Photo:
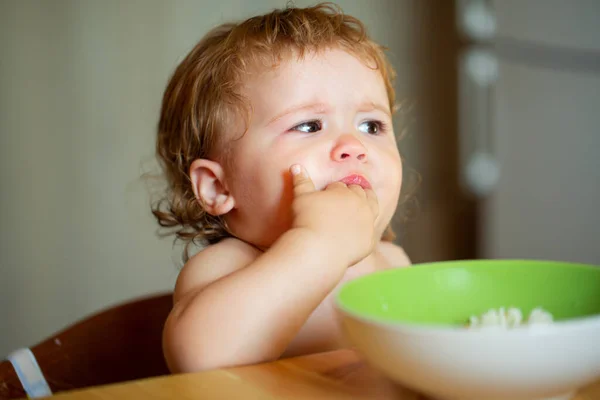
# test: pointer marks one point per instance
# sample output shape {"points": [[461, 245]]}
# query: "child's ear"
{"points": [[208, 183]]}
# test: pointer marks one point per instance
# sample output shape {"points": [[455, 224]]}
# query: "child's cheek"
{"points": [[318, 174], [312, 157]]}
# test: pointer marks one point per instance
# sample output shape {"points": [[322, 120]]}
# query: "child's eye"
{"points": [[308, 126], [372, 127]]}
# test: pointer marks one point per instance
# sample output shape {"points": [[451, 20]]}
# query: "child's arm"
{"points": [[251, 310]]}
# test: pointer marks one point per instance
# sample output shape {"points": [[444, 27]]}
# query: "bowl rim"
{"points": [[555, 328]]}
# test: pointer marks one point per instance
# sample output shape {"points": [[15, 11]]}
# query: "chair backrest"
{"points": [[118, 344]]}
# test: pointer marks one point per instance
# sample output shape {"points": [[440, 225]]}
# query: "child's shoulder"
{"points": [[212, 263], [393, 254]]}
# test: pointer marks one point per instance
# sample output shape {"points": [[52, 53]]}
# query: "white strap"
{"points": [[29, 373]]}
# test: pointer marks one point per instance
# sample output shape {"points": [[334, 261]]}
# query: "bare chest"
{"points": [[322, 332]]}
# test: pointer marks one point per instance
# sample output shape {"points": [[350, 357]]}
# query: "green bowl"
{"points": [[447, 293], [410, 323]]}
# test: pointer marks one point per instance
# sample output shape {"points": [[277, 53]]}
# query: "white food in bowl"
{"points": [[509, 318]]}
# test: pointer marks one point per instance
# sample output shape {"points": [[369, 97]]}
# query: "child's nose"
{"points": [[347, 148]]}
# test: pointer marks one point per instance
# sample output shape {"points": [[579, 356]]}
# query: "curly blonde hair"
{"points": [[204, 93]]}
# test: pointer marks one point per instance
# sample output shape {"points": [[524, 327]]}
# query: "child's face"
{"points": [[328, 112]]}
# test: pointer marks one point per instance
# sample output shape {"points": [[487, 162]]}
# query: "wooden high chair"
{"points": [[117, 344]]}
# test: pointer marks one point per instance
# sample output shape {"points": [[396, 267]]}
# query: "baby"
{"points": [[276, 139]]}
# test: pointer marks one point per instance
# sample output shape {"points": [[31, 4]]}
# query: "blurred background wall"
{"points": [[544, 130], [80, 90]]}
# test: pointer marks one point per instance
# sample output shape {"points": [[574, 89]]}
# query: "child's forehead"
{"points": [[330, 79]]}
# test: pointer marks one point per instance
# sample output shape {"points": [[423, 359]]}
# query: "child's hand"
{"points": [[343, 217]]}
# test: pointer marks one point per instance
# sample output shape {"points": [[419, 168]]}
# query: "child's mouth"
{"points": [[356, 179]]}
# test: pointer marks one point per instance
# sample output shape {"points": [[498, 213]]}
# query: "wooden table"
{"points": [[335, 375]]}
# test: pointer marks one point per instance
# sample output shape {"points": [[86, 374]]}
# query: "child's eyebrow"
{"points": [[321, 107], [370, 106]]}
